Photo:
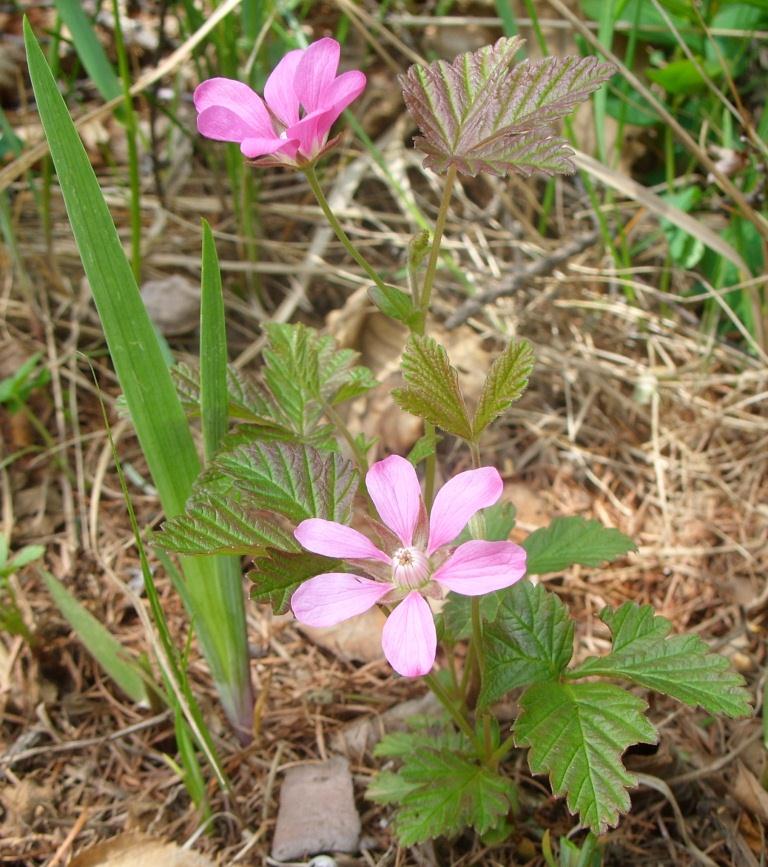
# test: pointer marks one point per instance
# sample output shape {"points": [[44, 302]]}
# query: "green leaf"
{"points": [[530, 640], [683, 76], [571, 540], [295, 480], [21, 558], [395, 303], [89, 48], [278, 574], [680, 666], [304, 371], [456, 616], [225, 523], [246, 401], [432, 391], [101, 644], [506, 381], [213, 348], [441, 792], [483, 112], [577, 733]]}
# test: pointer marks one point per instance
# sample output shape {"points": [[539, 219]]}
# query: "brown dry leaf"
{"points": [[531, 508], [750, 794], [22, 802], [138, 850]]}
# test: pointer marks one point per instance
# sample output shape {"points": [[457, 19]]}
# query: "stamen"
{"points": [[410, 568]]}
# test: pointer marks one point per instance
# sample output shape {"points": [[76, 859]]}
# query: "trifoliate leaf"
{"points": [[279, 573], [293, 480], [225, 523], [506, 381], [529, 640], [441, 793], [483, 112], [432, 391], [680, 666], [577, 733], [574, 540], [303, 373]]}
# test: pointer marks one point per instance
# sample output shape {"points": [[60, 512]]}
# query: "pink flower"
{"points": [[303, 96], [413, 568]]}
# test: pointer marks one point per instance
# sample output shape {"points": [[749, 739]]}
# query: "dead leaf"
{"points": [[750, 794], [138, 850]]}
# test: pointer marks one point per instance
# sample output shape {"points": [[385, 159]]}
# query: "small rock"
{"points": [[317, 811], [173, 303]]}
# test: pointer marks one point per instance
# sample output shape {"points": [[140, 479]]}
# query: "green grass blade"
{"points": [[157, 415], [89, 48], [213, 348], [100, 643]]}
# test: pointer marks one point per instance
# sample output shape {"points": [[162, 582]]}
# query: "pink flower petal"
{"points": [[337, 540], [311, 132], [479, 567], [458, 500], [316, 72], [258, 147], [279, 93], [327, 599], [240, 101], [395, 491], [409, 638], [344, 90]]}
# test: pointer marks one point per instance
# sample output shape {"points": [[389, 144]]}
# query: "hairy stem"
{"points": [[450, 705], [434, 253], [314, 184]]}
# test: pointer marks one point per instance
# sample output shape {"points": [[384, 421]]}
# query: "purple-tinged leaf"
{"points": [[481, 112]]}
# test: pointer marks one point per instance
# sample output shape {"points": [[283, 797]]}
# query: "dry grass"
{"points": [[635, 416]]}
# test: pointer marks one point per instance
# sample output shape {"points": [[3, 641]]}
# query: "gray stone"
{"points": [[317, 811]]}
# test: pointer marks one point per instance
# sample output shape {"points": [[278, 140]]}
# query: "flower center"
{"points": [[410, 568]]}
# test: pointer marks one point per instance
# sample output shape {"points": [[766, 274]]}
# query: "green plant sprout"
{"points": [[11, 617]]}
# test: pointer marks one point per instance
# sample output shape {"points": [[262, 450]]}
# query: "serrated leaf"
{"points": [[456, 616], [279, 573], [294, 480], [225, 523], [680, 666], [389, 788], [246, 400], [530, 640], [432, 391], [304, 371], [472, 109], [577, 733], [441, 793], [506, 381], [571, 540]]}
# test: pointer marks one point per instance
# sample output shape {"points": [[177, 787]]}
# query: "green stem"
{"points": [[361, 459], [434, 253], [497, 755], [131, 134], [430, 466], [450, 705], [314, 184]]}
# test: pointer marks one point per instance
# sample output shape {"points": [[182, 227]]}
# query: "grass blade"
{"points": [[155, 409], [89, 48], [100, 643]]}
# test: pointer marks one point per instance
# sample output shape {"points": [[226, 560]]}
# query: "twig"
{"points": [[540, 268]]}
